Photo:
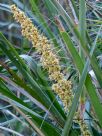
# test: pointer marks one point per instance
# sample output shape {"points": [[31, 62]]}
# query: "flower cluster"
{"points": [[63, 88], [83, 126], [49, 59]]}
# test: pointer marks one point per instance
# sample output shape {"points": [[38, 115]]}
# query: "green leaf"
{"points": [[36, 118], [88, 83], [14, 57], [47, 128], [22, 91], [73, 108], [82, 24], [51, 35], [76, 33], [34, 67], [38, 13], [6, 92]]}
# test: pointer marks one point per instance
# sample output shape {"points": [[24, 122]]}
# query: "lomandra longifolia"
{"points": [[49, 59], [50, 62]]}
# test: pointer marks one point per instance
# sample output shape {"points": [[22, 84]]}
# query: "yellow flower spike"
{"points": [[49, 59], [83, 126]]}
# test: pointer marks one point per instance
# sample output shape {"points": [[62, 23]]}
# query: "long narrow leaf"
{"points": [[76, 33], [88, 83], [12, 54], [75, 102], [82, 24]]}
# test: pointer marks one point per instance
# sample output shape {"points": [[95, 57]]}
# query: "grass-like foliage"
{"points": [[50, 68]]}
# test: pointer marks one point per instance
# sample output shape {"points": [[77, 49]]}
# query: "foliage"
{"points": [[28, 104]]}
